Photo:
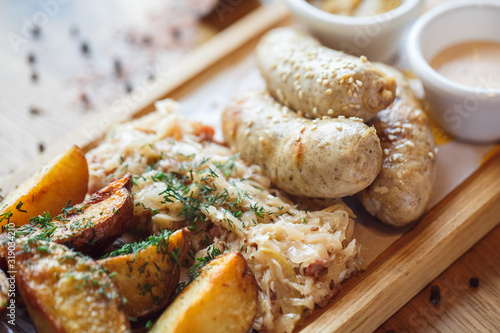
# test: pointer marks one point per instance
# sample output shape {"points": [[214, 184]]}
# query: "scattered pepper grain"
{"points": [[435, 295]]}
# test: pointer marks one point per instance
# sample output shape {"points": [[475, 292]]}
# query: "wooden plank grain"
{"points": [[462, 308], [408, 265]]}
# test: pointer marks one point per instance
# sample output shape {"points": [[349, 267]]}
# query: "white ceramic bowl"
{"points": [[376, 37], [471, 114]]}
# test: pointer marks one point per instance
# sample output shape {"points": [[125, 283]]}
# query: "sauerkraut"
{"points": [[298, 254]]}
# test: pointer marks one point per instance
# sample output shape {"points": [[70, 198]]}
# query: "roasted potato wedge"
{"points": [[89, 226], [223, 298], [65, 291], [148, 275], [4, 291], [62, 180]]}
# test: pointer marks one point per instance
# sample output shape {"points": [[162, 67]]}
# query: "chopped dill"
{"points": [[161, 242]]}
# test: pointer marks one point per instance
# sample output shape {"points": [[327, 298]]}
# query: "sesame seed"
{"points": [[325, 82], [359, 83], [328, 91], [363, 58], [410, 144], [386, 151], [381, 189], [301, 94], [330, 111], [350, 79], [349, 93], [391, 137]]}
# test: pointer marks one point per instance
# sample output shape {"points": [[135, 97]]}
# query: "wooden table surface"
{"points": [[462, 308]]}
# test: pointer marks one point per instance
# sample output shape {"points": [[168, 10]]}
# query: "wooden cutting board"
{"points": [[405, 267]]}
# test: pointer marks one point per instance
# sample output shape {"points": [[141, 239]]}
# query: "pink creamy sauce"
{"points": [[475, 64]]}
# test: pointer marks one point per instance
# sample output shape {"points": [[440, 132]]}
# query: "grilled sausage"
{"points": [[326, 158], [317, 81], [401, 191]]}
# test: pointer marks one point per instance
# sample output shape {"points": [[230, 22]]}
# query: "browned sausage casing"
{"points": [[326, 158], [401, 192], [318, 81]]}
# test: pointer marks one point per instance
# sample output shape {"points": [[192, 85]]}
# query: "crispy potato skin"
{"points": [[223, 298], [62, 180], [318, 81], [327, 158], [148, 279], [401, 192], [4, 291], [91, 225], [66, 292]]}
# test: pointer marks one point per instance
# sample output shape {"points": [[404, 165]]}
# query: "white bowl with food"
{"points": [[455, 50], [371, 27]]}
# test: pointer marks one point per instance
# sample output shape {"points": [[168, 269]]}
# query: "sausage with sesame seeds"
{"points": [[401, 192], [325, 158], [318, 81]]}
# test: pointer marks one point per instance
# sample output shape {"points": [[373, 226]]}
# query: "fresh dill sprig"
{"points": [[201, 262], [161, 242]]}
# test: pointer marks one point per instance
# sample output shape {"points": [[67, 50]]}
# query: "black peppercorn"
{"points": [[474, 282], [435, 295]]}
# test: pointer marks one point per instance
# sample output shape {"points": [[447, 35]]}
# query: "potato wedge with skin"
{"points": [[148, 278], [62, 180], [89, 226], [223, 298], [65, 291], [4, 291]]}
